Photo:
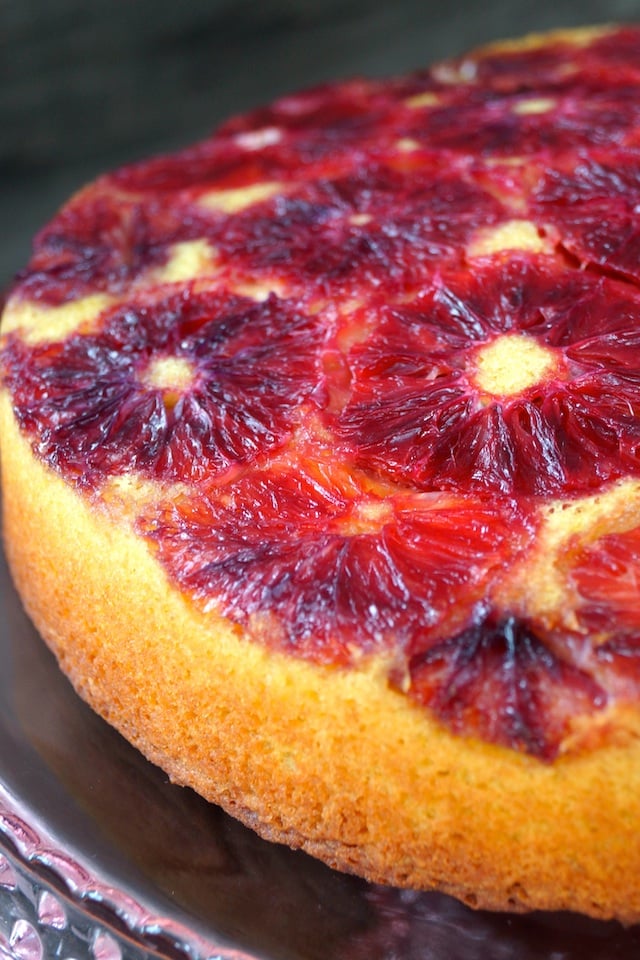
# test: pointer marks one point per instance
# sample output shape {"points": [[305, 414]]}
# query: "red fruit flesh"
{"points": [[500, 679], [86, 402], [338, 572], [593, 204], [415, 413], [607, 577], [102, 243], [361, 472], [377, 228]]}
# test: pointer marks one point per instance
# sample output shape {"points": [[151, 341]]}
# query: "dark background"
{"points": [[88, 84]]}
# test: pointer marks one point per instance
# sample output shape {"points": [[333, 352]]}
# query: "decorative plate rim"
{"points": [[36, 850]]}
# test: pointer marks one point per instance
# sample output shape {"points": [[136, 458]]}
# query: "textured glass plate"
{"points": [[101, 857]]}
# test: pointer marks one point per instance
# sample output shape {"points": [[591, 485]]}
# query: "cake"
{"points": [[321, 469]]}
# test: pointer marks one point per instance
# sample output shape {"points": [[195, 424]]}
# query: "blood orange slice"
{"points": [[593, 204], [180, 387], [321, 567], [491, 371]]}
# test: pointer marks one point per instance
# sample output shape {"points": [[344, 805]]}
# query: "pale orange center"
{"points": [[173, 375], [511, 364]]}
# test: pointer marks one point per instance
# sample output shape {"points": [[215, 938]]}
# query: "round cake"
{"points": [[321, 469]]}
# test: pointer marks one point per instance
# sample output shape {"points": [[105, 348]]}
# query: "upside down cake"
{"points": [[321, 468]]}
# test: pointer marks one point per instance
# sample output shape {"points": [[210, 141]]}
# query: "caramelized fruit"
{"points": [[97, 404]]}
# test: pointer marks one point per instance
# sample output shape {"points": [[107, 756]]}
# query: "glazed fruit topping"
{"points": [[377, 227], [183, 387], [486, 372], [607, 577], [593, 204], [376, 349], [330, 570], [498, 678], [101, 242]]}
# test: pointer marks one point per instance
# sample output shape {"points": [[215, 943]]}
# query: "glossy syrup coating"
{"points": [[369, 360]]}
